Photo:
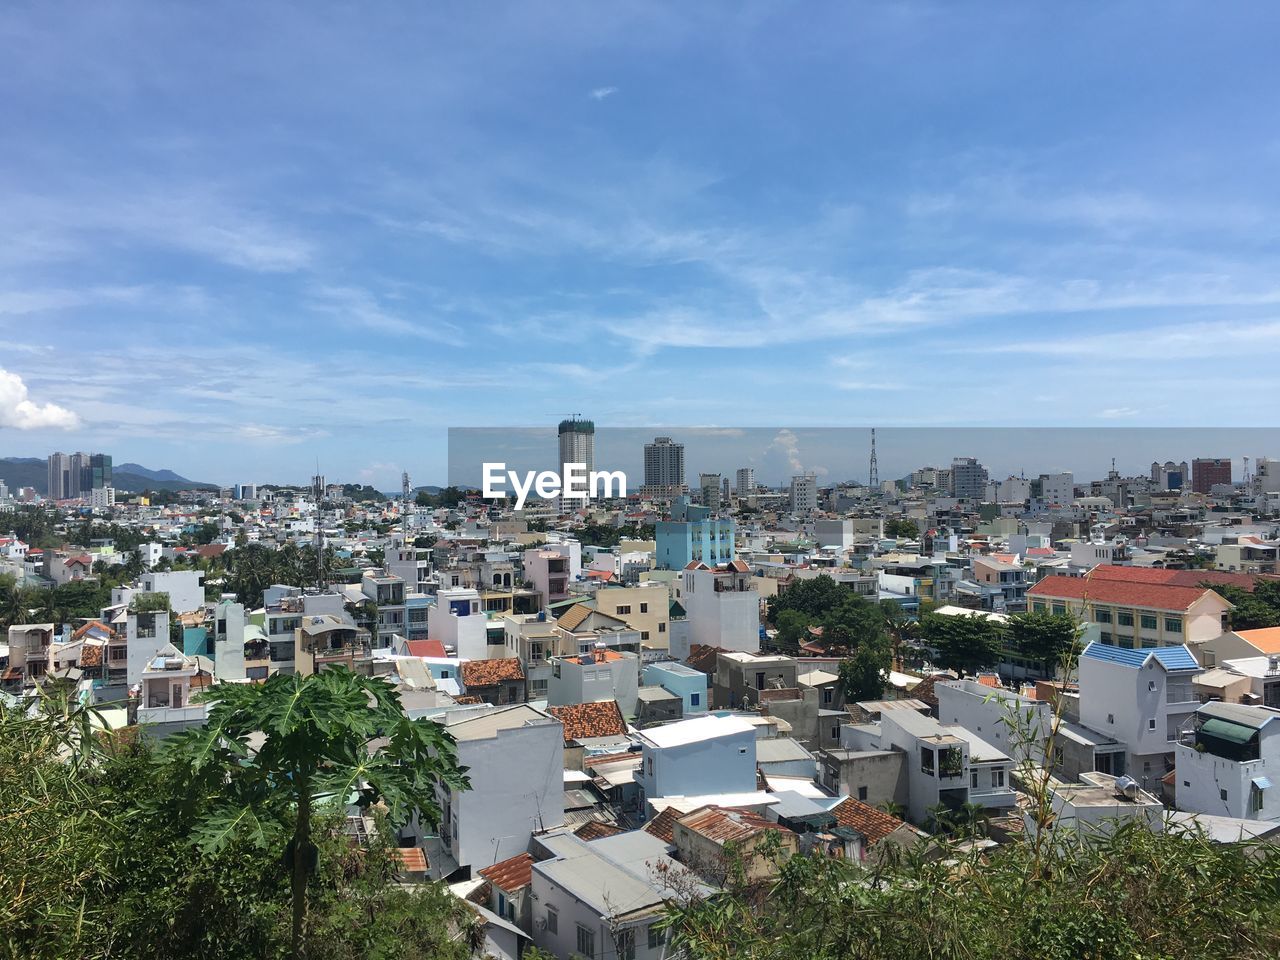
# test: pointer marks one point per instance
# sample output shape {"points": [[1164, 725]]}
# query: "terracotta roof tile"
{"points": [[702, 657], [572, 618], [873, 824], [724, 824], [582, 721], [411, 859], [595, 829], [510, 875], [1266, 639], [426, 648], [488, 673], [465, 701], [1156, 596], [91, 655], [1173, 578], [81, 631]]}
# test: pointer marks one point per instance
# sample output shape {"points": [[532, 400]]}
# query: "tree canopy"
{"points": [[963, 643]]}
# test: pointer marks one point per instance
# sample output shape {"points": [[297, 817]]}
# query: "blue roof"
{"points": [[1171, 658]]}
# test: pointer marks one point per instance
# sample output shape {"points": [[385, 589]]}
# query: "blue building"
{"points": [[681, 541], [682, 681]]}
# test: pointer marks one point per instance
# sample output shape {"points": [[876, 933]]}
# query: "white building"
{"points": [[1230, 764], [1010, 722], [184, 587], [804, 494], [721, 605], [1142, 698], [599, 675], [1057, 488], [515, 760], [457, 621], [706, 755], [169, 681]]}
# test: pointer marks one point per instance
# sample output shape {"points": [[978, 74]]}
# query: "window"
{"points": [[1173, 624], [760, 680], [655, 937], [695, 699], [1223, 795], [1101, 615], [1148, 621], [1151, 686], [1059, 608], [644, 634], [862, 794], [926, 761], [1151, 724], [626, 945], [973, 779], [662, 628], [644, 608], [827, 694], [997, 779], [1124, 618], [624, 609], [1111, 718], [1255, 798], [648, 764], [1105, 637], [553, 919], [1038, 607], [586, 941]]}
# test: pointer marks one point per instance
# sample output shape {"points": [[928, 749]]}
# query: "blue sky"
{"points": [[241, 237]]}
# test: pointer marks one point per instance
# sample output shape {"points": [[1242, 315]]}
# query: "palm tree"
{"points": [[316, 734]]}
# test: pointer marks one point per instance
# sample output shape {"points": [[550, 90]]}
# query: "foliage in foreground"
{"points": [[1133, 894], [102, 858]]}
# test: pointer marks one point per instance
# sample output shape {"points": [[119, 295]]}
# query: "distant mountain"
{"points": [[126, 477], [136, 469]]}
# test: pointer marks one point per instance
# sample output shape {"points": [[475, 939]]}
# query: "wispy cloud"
{"points": [[602, 93], [19, 412]]}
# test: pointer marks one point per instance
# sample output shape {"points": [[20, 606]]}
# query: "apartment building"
{"points": [[645, 608], [706, 755], [601, 674], [722, 606], [681, 542], [1229, 763]]}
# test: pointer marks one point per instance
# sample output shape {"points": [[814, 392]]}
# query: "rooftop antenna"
{"points": [[873, 475], [404, 505], [317, 490]]}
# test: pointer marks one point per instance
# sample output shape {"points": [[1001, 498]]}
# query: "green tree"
{"points": [[901, 528], [1253, 609], [1041, 636], [814, 598], [963, 643], [317, 733], [793, 629]]}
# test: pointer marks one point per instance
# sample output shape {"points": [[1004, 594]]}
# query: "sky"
{"points": [[240, 239]]}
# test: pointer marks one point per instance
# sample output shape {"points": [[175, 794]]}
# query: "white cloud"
{"points": [[20, 413], [602, 93]]}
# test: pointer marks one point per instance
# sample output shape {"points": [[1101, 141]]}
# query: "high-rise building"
{"points": [[804, 493], [98, 473], [968, 478], [578, 442], [1207, 472], [577, 445], [59, 479], [1059, 488], [746, 481], [709, 486], [664, 466]]}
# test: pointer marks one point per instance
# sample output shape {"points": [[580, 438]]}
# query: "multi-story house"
{"points": [[1143, 698], [549, 573], [328, 640], [705, 540], [722, 606], [1229, 763], [1247, 555], [601, 674], [706, 755], [1004, 584], [498, 682], [169, 681], [29, 646], [644, 607], [690, 685], [515, 761], [457, 621], [386, 591]]}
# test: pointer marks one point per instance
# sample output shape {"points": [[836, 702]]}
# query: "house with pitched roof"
{"points": [[601, 674], [708, 838], [1143, 698], [494, 681]]}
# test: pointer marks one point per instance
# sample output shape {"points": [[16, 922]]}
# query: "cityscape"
{"points": [[646, 481]]}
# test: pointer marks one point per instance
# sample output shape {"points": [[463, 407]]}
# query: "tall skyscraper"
{"points": [[804, 494], [746, 481], [59, 468], [664, 466], [577, 445], [1207, 472], [578, 442]]}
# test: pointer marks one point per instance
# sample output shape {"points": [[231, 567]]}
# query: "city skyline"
{"points": [[359, 228]]}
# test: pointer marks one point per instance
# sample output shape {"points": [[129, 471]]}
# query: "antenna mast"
{"points": [[317, 491], [404, 506]]}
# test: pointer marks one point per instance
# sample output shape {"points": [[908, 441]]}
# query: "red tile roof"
{"points": [[466, 701], [426, 648], [582, 721], [411, 859], [703, 657], [488, 673], [81, 631], [1126, 593], [510, 875], [873, 824], [1266, 639], [91, 655], [595, 829], [1172, 578]]}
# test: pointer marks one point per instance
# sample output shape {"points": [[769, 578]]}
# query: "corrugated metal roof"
{"points": [[1171, 658]]}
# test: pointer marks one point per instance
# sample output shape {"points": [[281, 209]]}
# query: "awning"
{"points": [[1226, 730], [1262, 783]]}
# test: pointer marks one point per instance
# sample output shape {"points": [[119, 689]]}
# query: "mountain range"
{"points": [[125, 477]]}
